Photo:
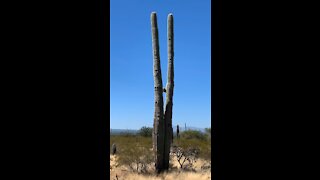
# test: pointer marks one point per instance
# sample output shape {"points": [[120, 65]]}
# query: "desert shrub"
{"points": [[136, 157], [133, 151], [205, 152], [208, 130], [192, 134], [185, 155], [127, 134], [145, 131], [136, 151], [203, 147]]}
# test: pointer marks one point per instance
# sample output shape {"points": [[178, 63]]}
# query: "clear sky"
{"points": [[131, 61]]}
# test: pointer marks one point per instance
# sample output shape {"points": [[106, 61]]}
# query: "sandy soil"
{"points": [[175, 173]]}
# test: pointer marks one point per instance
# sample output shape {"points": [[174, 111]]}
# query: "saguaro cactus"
{"points": [[114, 149], [178, 131], [169, 95], [163, 131], [158, 124]]}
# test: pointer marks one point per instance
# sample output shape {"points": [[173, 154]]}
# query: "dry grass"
{"points": [[175, 173]]}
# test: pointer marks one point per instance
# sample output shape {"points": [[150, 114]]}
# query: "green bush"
{"points": [[145, 131], [192, 134]]}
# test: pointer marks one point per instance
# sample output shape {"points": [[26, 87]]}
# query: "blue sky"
{"points": [[131, 61]]}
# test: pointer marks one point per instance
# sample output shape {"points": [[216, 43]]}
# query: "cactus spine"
{"points": [[162, 125], [169, 93], [158, 123]]}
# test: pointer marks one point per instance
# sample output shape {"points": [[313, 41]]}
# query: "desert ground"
{"points": [[190, 157], [199, 171]]}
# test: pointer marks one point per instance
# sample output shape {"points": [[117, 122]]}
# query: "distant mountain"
{"points": [[133, 131], [119, 131]]}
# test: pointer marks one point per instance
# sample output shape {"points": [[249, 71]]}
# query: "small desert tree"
{"points": [[145, 131]]}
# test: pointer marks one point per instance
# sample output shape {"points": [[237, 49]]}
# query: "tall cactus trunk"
{"points": [[162, 125], [158, 124], [169, 94]]}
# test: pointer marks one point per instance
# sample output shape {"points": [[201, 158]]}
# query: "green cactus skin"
{"points": [[158, 123], [169, 94]]}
